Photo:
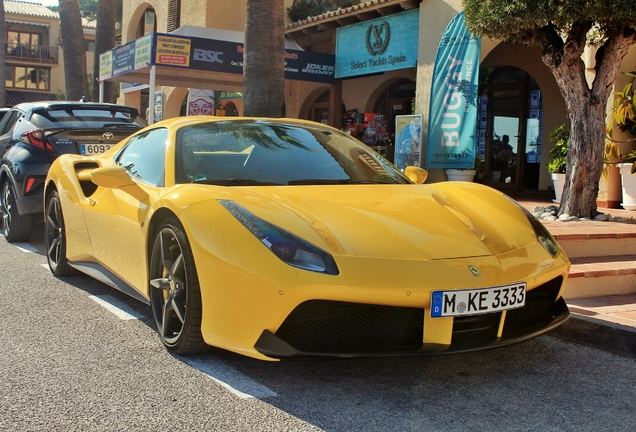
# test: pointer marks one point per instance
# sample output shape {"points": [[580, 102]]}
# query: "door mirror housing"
{"points": [[416, 174], [117, 177]]}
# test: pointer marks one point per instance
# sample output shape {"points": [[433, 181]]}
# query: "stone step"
{"points": [[577, 245], [601, 276]]}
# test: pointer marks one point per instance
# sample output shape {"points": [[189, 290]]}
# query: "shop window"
{"points": [[9, 76], [27, 77], [20, 77], [147, 23], [89, 45], [22, 44], [396, 100]]}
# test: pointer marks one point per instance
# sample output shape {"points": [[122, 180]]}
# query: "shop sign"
{"points": [[172, 51], [452, 123], [378, 45], [123, 59]]}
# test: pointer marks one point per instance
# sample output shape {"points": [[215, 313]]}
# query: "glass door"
{"points": [[505, 145]]}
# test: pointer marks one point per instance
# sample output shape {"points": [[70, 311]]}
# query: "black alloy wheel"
{"points": [[175, 296], [55, 238], [15, 228]]}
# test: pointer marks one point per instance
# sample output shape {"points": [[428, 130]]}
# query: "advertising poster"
{"points": [[158, 106], [408, 140], [172, 51], [452, 123]]}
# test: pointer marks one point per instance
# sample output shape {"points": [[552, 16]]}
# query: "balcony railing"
{"points": [[33, 53]]}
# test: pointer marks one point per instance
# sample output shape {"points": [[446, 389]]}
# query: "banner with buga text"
{"points": [[452, 121]]}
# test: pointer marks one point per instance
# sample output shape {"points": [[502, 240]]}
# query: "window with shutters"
{"points": [[174, 15]]}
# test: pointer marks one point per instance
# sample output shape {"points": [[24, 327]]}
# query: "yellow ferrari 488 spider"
{"points": [[279, 238]]}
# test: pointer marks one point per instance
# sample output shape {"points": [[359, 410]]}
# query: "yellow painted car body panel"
{"points": [[393, 244]]}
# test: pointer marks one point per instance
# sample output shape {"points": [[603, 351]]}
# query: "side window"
{"points": [[145, 156], [8, 121]]}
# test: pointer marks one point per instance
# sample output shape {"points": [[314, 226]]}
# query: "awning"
{"points": [[15, 97]]}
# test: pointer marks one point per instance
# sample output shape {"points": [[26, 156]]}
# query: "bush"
{"points": [[558, 153]]}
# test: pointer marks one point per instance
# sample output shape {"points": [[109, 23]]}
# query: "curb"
{"points": [[606, 335]]}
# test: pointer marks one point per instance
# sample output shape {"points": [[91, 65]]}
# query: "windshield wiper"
{"points": [[328, 182], [234, 182]]}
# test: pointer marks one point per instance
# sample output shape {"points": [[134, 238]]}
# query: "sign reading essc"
{"points": [[173, 51]]}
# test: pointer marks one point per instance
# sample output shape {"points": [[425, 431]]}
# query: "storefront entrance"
{"points": [[509, 131]]}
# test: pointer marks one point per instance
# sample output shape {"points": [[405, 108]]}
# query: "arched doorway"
{"points": [[319, 111], [394, 101], [509, 130]]}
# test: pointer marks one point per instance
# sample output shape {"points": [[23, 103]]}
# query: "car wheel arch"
{"points": [[156, 220]]}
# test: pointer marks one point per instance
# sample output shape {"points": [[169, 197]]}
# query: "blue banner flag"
{"points": [[452, 121]]}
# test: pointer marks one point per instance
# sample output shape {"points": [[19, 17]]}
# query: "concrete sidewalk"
{"points": [[604, 321]]}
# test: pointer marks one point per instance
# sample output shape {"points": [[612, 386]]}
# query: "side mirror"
{"points": [[117, 177], [416, 174]]}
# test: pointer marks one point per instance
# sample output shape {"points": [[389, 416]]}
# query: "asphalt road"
{"points": [[71, 361]]}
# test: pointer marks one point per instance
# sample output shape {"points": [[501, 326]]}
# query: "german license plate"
{"points": [[478, 301], [89, 149]]}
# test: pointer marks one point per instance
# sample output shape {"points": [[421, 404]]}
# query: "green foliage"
{"points": [[624, 117], [624, 111], [301, 9], [516, 20], [558, 153]]}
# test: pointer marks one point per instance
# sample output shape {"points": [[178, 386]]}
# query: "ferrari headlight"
{"points": [[285, 245], [540, 231]]}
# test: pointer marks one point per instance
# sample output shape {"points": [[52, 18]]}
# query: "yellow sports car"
{"points": [[278, 238]]}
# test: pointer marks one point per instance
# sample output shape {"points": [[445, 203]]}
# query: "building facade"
{"points": [[34, 52], [518, 108]]}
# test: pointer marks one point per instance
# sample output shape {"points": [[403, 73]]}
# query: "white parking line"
{"points": [[25, 247], [237, 383], [115, 306]]}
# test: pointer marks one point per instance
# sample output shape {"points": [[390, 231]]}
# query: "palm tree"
{"points": [[74, 51], [3, 87], [105, 39], [264, 59]]}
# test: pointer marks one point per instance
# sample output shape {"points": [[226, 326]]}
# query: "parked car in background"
{"points": [[33, 135]]}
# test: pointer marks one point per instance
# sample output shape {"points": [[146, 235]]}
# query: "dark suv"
{"points": [[32, 135]]}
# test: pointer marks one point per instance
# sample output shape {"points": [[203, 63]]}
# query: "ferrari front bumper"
{"points": [[321, 328]]}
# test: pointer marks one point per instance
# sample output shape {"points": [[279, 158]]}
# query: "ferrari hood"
{"points": [[393, 221]]}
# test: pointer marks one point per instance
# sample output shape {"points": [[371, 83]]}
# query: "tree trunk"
{"points": [[587, 110], [74, 51], [3, 58], [264, 59], [105, 39]]}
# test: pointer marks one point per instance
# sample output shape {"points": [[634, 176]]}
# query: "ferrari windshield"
{"points": [[260, 152]]}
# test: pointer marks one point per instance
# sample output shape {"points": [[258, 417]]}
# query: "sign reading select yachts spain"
{"points": [[378, 45]]}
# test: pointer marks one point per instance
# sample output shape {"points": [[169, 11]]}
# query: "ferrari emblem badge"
{"points": [[474, 271]]}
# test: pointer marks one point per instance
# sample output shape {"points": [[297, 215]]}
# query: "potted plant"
{"points": [[558, 154], [463, 174], [624, 117]]}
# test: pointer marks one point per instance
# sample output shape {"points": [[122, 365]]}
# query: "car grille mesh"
{"points": [[322, 326], [540, 306]]}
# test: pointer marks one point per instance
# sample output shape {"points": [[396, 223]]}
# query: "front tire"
{"points": [[175, 296], [55, 237], [15, 228]]}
